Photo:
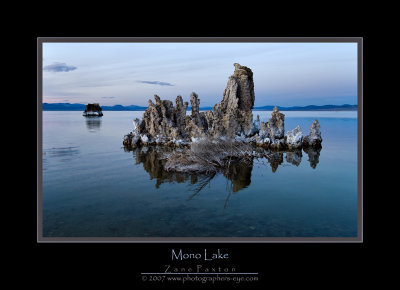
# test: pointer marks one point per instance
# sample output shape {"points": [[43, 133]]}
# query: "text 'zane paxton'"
{"points": [[207, 257]]}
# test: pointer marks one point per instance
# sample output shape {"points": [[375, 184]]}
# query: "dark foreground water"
{"points": [[92, 187]]}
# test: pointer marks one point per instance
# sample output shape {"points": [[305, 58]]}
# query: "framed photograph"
{"points": [[206, 140]]}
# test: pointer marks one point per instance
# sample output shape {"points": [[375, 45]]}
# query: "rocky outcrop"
{"points": [[313, 139], [162, 123], [232, 118], [271, 133], [294, 138], [162, 119], [93, 110], [196, 125], [275, 127]]}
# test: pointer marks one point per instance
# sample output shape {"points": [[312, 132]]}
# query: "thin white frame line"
{"points": [[219, 273]]}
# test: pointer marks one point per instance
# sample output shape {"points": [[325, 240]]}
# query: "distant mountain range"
{"points": [[345, 107], [81, 107]]}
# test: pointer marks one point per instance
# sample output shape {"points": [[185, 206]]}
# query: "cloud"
{"points": [[156, 83], [59, 67], [108, 97]]}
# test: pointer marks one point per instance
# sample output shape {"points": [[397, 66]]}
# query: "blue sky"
{"points": [[285, 74]]}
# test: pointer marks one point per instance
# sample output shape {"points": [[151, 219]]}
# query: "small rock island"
{"points": [[229, 127], [93, 110]]}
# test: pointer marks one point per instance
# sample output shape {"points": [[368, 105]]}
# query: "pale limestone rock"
{"points": [[233, 116], [276, 125], [196, 124], [273, 131], [313, 139], [294, 138]]}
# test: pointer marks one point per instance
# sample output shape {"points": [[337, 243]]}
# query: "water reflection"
{"points": [[154, 166], [313, 156], [275, 159], [63, 154], [294, 157], [93, 124], [238, 173]]}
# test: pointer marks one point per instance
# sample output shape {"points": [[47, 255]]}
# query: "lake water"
{"points": [[92, 187]]}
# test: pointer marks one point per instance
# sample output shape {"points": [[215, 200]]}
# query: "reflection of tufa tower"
{"points": [[93, 110], [93, 124], [240, 175]]}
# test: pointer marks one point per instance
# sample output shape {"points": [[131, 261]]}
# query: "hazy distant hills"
{"points": [[345, 107], [81, 107]]}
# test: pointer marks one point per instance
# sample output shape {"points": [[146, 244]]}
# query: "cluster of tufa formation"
{"points": [[232, 118], [93, 110]]}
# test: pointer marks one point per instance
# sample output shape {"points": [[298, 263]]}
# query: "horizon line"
{"points": [[206, 106]]}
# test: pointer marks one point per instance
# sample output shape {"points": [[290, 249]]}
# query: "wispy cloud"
{"points": [[156, 83], [59, 67], [108, 97]]}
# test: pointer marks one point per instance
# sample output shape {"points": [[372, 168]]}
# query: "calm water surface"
{"points": [[92, 187]]}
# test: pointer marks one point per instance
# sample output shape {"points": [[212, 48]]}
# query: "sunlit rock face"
{"points": [[232, 118]]}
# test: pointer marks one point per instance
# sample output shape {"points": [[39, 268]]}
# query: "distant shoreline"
{"points": [[81, 107]]}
